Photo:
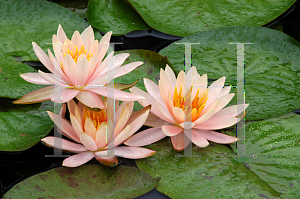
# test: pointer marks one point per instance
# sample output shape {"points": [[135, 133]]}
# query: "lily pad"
{"points": [[25, 21], [12, 85], [22, 126], [271, 151], [272, 65], [87, 181], [184, 18], [150, 69], [114, 15], [212, 174]]}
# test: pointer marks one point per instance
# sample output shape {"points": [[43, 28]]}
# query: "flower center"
{"points": [[191, 108], [97, 117], [77, 53]]}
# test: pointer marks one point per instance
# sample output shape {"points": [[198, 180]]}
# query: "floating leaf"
{"points": [[271, 151], [185, 17], [114, 15], [272, 66], [12, 85], [22, 126], [23, 22], [87, 181]]}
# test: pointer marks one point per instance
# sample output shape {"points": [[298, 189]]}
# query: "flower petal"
{"points": [[123, 135], [49, 77], [77, 126], [204, 117], [65, 126], [224, 100], [89, 127], [149, 100], [164, 85], [88, 142], [61, 33], [100, 138], [164, 112], [68, 67], [116, 61], [34, 78], [179, 114], [65, 144], [171, 130], [153, 121], [90, 99], [65, 95], [220, 124], [81, 72], [214, 90], [76, 39], [201, 84], [119, 110], [133, 152], [126, 68], [198, 139], [122, 118], [88, 37], [36, 96], [78, 159], [216, 137], [152, 88], [170, 75], [225, 91], [108, 161], [180, 141], [43, 57], [137, 120], [146, 137], [229, 112], [187, 125], [117, 94]]}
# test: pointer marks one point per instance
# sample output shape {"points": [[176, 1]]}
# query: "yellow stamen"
{"points": [[191, 107]]}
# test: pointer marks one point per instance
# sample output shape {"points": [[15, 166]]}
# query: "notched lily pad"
{"points": [[87, 181], [272, 66], [22, 126], [185, 17]]}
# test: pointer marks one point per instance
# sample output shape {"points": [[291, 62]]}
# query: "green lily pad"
{"points": [[114, 15], [271, 151], [22, 126], [12, 85], [213, 172], [186, 17], [79, 7], [87, 181], [272, 65], [25, 21], [150, 69]]}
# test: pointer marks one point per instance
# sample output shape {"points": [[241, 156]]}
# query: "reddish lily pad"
{"points": [[87, 181], [22, 126]]}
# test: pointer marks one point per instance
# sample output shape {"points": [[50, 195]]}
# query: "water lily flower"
{"points": [[91, 131], [79, 69], [186, 110]]}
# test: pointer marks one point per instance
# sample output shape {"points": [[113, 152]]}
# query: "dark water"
{"points": [[17, 166]]}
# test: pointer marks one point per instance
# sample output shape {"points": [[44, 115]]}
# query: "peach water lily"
{"points": [[185, 109], [79, 69], [95, 134]]}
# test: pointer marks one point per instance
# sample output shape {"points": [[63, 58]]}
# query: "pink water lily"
{"points": [[185, 109], [79, 69], [95, 134]]}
